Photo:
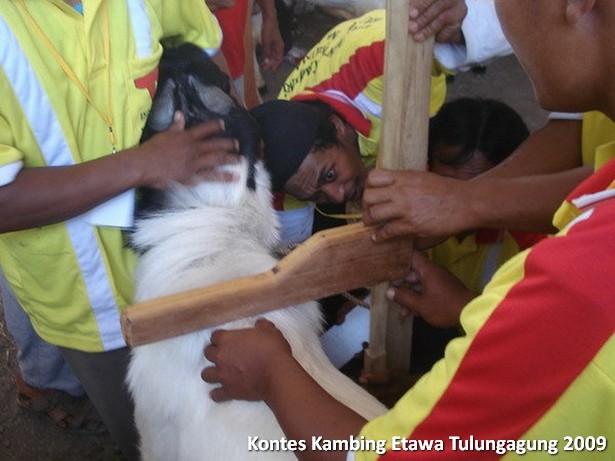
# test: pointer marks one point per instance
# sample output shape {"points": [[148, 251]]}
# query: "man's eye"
{"points": [[328, 176]]}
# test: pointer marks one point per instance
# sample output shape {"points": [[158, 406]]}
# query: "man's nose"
{"points": [[336, 192]]}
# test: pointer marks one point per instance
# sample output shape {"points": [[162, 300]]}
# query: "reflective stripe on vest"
{"points": [[490, 265], [141, 27], [47, 130]]}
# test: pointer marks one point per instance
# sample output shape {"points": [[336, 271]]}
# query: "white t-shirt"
{"points": [[484, 39]]}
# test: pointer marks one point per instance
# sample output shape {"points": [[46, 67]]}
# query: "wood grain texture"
{"points": [[403, 146], [329, 262]]}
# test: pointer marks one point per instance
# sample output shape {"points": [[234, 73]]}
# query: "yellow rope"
{"points": [[106, 116], [340, 215]]}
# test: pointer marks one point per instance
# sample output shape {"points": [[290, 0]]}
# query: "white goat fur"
{"points": [[211, 233]]}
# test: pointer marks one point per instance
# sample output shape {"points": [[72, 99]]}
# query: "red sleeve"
{"points": [[542, 335]]}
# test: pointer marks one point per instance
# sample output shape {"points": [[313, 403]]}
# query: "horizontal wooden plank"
{"points": [[329, 262]]}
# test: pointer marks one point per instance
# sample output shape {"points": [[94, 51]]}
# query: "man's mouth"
{"points": [[357, 192], [354, 195]]}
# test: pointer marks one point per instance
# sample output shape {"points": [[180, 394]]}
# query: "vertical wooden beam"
{"points": [[403, 145]]}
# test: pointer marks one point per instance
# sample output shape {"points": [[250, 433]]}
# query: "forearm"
{"points": [[521, 203], [305, 410], [524, 191], [267, 8], [47, 195], [553, 148], [272, 43]]}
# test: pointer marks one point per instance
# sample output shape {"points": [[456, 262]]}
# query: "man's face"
{"points": [[333, 174], [518, 21], [533, 29]]}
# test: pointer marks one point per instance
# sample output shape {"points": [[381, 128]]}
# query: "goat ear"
{"points": [[212, 97], [163, 107]]}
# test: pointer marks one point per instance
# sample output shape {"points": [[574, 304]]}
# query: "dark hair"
{"points": [[326, 133], [476, 124]]}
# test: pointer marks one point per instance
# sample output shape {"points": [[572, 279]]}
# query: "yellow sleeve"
{"points": [[597, 139], [11, 159], [191, 20]]}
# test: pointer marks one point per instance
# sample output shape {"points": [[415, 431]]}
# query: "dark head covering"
{"points": [[289, 131]]}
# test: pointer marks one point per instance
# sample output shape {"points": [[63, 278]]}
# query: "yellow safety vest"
{"points": [[73, 278]]}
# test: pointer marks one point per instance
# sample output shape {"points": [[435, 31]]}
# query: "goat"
{"points": [[204, 234]]}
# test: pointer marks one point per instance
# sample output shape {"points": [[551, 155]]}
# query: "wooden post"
{"points": [[403, 146]]}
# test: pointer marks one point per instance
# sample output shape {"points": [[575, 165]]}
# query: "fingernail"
{"points": [[414, 13], [222, 124], [390, 294], [373, 238]]}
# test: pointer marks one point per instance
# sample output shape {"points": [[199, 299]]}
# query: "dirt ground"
{"points": [[25, 436]]}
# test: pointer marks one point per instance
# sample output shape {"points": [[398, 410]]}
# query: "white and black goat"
{"points": [[205, 234]]}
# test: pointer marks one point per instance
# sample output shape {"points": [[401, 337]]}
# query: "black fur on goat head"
{"points": [[190, 82]]}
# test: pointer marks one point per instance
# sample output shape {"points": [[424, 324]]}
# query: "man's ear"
{"points": [[576, 9], [341, 127]]}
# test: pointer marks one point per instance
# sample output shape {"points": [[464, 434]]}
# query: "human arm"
{"points": [[515, 195], [271, 39], [431, 292], [427, 205], [46, 195], [214, 5], [257, 364]]}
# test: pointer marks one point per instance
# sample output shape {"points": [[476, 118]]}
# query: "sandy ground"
{"points": [[25, 436]]}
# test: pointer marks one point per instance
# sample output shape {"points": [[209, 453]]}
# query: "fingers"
{"points": [[217, 394], [206, 132], [239, 360], [380, 178], [210, 375], [273, 46], [375, 378], [377, 197], [419, 262], [179, 122], [209, 163], [215, 152], [405, 297], [273, 57], [390, 230], [207, 129], [424, 12], [264, 324], [379, 207], [436, 17]]}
